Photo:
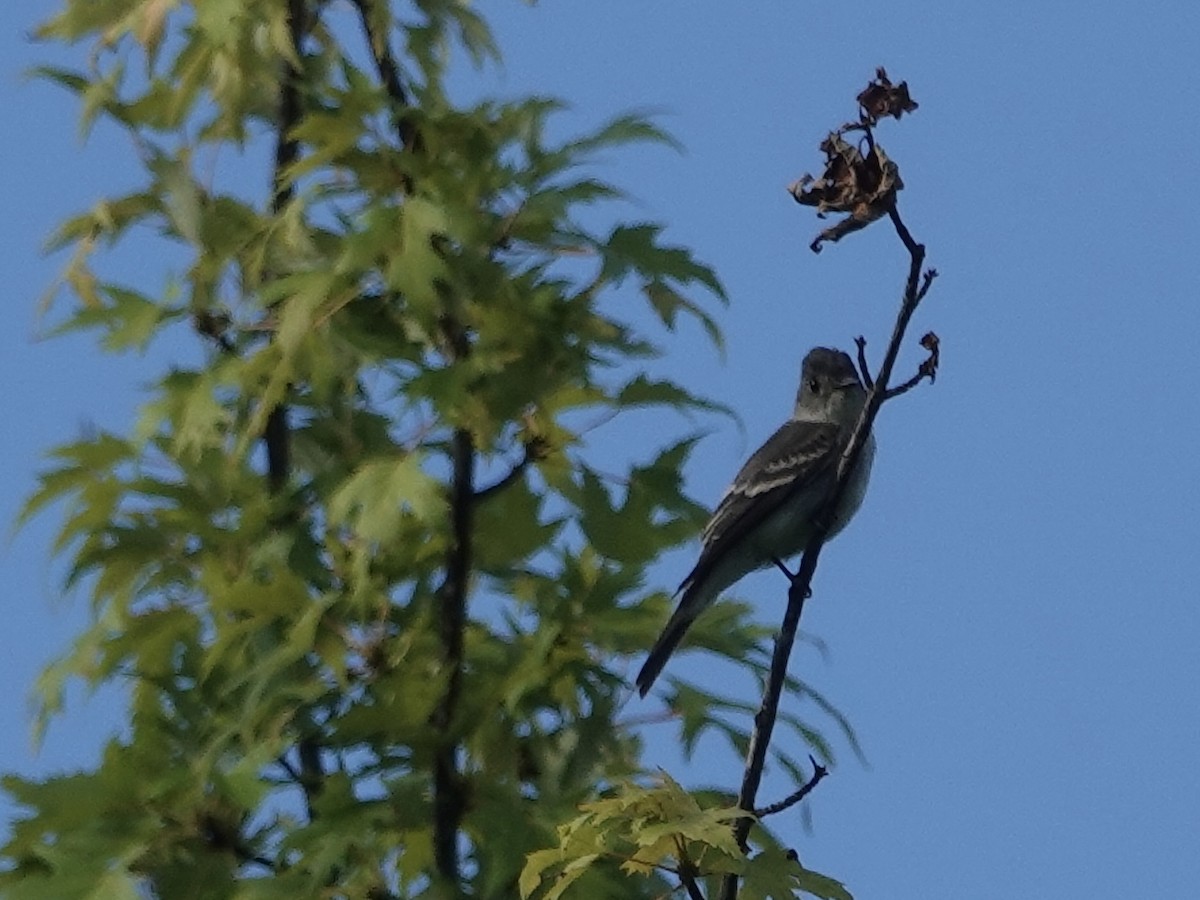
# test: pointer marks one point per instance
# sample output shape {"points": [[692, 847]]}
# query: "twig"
{"points": [[864, 370], [687, 871], [514, 475], [248, 856], [926, 283], [819, 772], [389, 74], [288, 767], [928, 368], [534, 450], [914, 249], [868, 134]]}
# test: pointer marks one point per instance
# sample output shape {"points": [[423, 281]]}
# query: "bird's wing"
{"points": [[794, 457]]}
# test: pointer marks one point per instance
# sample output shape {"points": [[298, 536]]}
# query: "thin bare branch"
{"points": [[927, 369], [534, 450], [292, 772], [819, 772], [926, 283], [863, 369], [915, 250]]}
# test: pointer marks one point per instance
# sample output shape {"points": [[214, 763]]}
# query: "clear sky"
{"points": [[1013, 618]]}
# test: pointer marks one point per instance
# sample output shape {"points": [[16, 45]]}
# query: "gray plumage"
{"points": [[766, 514]]}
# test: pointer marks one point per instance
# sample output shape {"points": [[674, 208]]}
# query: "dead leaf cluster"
{"points": [[861, 184], [881, 98]]}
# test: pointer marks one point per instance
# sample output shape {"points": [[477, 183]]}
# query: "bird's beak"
{"points": [[848, 383]]}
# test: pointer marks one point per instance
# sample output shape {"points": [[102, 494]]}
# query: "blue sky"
{"points": [[1012, 619]]}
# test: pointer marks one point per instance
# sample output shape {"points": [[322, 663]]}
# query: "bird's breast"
{"points": [[856, 488]]}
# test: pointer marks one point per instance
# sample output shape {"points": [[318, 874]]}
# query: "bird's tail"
{"points": [[677, 627]]}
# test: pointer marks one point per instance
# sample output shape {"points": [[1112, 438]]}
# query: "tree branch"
{"points": [[688, 880], [448, 795], [514, 474], [287, 151], [448, 801], [277, 433], [928, 368], [819, 772], [534, 451], [800, 587], [389, 74], [687, 871]]}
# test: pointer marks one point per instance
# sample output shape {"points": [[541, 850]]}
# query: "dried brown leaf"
{"points": [[862, 186], [881, 98], [930, 366]]}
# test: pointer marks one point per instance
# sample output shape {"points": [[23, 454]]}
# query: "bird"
{"points": [[767, 514]]}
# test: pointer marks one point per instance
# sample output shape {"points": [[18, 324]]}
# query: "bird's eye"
{"points": [[814, 385]]}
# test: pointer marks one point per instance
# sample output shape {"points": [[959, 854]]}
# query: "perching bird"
{"points": [[766, 514]]}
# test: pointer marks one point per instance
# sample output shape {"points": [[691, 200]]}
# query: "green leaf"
{"points": [[644, 391], [775, 874], [698, 710], [417, 268], [474, 34], [85, 462], [509, 529], [220, 21], [613, 535], [636, 249], [667, 303], [129, 318], [382, 492], [628, 128], [181, 194], [73, 80]]}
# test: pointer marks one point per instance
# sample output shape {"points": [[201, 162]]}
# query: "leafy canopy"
{"points": [[413, 282]]}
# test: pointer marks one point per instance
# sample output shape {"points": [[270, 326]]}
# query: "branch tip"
{"points": [[927, 369], [819, 773], [863, 369], [926, 283]]}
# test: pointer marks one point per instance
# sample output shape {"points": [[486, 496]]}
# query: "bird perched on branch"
{"points": [[768, 513]]}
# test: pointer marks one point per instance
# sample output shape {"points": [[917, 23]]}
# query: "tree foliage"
{"points": [[369, 592]]}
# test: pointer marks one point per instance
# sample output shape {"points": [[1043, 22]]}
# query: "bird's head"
{"points": [[829, 386]]}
